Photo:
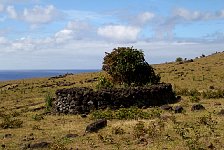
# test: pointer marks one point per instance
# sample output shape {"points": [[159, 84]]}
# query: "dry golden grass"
{"points": [[25, 100], [200, 74]]}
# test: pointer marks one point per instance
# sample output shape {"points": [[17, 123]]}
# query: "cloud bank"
{"points": [[60, 38]]}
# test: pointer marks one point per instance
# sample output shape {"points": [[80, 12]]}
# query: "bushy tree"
{"points": [[179, 59], [128, 66]]}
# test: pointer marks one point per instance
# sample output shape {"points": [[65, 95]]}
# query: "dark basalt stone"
{"points": [[8, 135], [82, 100], [166, 107], [197, 107], [97, 125], [40, 145], [71, 135], [178, 109]]}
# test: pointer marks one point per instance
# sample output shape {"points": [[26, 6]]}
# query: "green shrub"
{"points": [[100, 114], [155, 113], [187, 92], [179, 59], [194, 99], [48, 101], [194, 92], [104, 82], [38, 117], [153, 130], [128, 66]]}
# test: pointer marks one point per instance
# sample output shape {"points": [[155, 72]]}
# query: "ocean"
{"points": [[6, 75]]}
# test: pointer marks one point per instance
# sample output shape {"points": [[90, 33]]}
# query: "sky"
{"points": [[75, 34]]}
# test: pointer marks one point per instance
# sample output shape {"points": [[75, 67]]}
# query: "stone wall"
{"points": [[83, 100]]}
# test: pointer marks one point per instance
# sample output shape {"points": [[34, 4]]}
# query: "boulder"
{"points": [[166, 107], [95, 126], [40, 145], [197, 107], [71, 135], [178, 109]]}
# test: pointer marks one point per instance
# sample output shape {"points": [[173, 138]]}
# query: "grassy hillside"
{"points": [[199, 74], [24, 120]]}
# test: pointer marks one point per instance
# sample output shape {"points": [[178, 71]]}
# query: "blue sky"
{"points": [[56, 34]]}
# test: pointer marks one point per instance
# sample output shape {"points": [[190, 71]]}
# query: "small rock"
{"points": [[197, 107], [211, 146], [8, 136], [221, 112], [178, 98], [178, 109], [166, 107], [25, 146], [40, 145], [143, 141], [83, 115], [90, 102], [31, 134], [71, 135], [94, 127], [143, 107]]}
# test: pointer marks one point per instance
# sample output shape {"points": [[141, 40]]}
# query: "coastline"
{"points": [[11, 75]]}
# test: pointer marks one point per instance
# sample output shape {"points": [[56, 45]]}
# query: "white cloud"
{"points": [[40, 15], [145, 17], [3, 40], [119, 33], [190, 15], [35, 16], [78, 30], [88, 54], [12, 12], [136, 19], [24, 44], [163, 29], [63, 36]]}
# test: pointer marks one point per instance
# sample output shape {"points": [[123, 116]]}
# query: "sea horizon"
{"points": [[7, 75]]}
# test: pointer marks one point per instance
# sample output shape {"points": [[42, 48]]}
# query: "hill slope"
{"points": [[200, 74], [24, 100]]}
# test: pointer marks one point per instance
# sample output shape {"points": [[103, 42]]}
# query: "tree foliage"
{"points": [[179, 59], [128, 66]]}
